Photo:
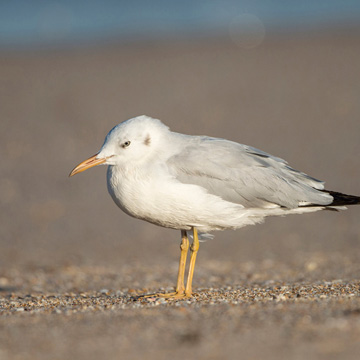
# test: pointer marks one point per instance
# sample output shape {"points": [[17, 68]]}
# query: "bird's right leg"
{"points": [[184, 247], [180, 285]]}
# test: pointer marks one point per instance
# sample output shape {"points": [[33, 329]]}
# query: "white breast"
{"points": [[178, 206]]}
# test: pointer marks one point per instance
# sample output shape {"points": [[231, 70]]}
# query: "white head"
{"points": [[130, 141]]}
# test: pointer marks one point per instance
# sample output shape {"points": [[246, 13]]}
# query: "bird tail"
{"points": [[342, 199]]}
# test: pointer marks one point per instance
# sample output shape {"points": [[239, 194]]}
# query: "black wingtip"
{"points": [[343, 199]]}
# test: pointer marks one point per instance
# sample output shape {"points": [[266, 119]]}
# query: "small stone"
{"points": [[160, 301]]}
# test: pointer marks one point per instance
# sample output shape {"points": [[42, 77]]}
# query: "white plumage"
{"points": [[181, 181], [201, 183]]}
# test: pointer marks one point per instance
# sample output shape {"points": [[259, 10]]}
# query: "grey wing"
{"points": [[245, 175]]}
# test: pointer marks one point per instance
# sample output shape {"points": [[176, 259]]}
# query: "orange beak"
{"points": [[87, 164]]}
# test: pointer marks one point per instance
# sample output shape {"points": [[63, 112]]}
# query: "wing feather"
{"points": [[244, 175]]}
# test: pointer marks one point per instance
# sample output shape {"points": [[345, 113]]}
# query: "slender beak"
{"points": [[87, 164]]}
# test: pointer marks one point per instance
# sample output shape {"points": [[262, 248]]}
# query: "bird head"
{"points": [[130, 141]]}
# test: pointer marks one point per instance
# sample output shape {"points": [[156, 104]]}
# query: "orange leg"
{"points": [[194, 248], [180, 286]]}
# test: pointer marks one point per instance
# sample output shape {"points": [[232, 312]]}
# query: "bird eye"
{"points": [[126, 144]]}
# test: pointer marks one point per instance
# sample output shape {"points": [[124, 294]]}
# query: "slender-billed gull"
{"points": [[201, 183]]}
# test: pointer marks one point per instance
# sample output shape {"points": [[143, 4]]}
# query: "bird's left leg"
{"points": [[194, 250]]}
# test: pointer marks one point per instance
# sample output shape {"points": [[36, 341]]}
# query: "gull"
{"points": [[199, 184]]}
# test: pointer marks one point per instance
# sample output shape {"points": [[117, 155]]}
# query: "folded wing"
{"points": [[244, 175]]}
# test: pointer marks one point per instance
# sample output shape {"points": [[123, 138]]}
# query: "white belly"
{"points": [[169, 203], [161, 200]]}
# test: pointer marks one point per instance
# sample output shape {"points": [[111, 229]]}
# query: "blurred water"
{"points": [[41, 22]]}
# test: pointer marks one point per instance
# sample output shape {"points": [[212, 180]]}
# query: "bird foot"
{"points": [[172, 295]]}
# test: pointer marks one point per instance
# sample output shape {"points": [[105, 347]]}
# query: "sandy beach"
{"points": [[72, 264]]}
